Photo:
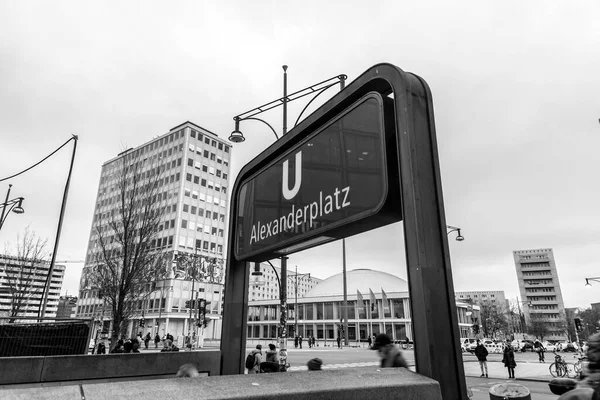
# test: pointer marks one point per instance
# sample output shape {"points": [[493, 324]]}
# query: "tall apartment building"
{"points": [[193, 189], [270, 290], [22, 281], [540, 290], [66, 307]]}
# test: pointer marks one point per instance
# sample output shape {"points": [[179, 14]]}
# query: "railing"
{"points": [[22, 336]]}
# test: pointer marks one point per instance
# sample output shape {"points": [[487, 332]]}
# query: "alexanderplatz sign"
{"points": [[366, 158]]}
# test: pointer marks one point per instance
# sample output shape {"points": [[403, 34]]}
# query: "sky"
{"points": [[515, 88]]}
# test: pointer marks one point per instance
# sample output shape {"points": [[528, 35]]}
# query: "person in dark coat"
{"points": [[296, 342], [389, 354], [300, 341], [539, 348], [481, 354], [147, 340], [156, 341], [339, 340], [370, 341], [509, 359]]}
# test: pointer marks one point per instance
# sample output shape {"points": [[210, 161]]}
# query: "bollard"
{"points": [[506, 391]]}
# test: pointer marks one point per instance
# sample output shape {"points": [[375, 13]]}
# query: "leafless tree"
{"points": [[127, 258], [493, 320], [23, 272]]}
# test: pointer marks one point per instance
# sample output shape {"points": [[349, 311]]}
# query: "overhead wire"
{"points": [[38, 163]]}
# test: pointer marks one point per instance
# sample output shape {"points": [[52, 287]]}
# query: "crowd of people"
{"points": [[133, 345]]}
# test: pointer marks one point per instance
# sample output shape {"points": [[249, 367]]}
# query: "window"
{"points": [[213, 143], [224, 176], [196, 179], [194, 194], [208, 214], [219, 173], [203, 182], [193, 134], [214, 231], [190, 162], [210, 184], [201, 212], [188, 177], [226, 149], [206, 153], [204, 168], [193, 211], [202, 197], [220, 146], [197, 165], [184, 223], [211, 170], [207, 140], [186, 208], [187, 192], [209, 199], [212, 156]]}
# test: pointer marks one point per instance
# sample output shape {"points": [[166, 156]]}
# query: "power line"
{"points": [[38, 163]]}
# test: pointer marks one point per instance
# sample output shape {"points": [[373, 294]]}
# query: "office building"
{"points": [[493, 298], [21, 287], [194, 168], [539, 287]]}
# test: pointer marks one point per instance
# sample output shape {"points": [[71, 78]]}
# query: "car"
{"points": [[549, 346], [567, 346], [522, 345], [468, 344]]}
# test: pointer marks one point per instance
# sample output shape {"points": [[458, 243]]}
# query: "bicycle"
{"points": [[560, 368]]}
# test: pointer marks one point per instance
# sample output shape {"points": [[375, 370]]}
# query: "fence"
{"points": [[50, 337]]}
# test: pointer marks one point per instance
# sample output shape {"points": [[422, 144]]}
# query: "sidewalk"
{"points": [[527, 371]]}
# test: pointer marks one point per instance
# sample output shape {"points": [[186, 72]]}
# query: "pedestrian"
{"points": [[118, 348], [296, 342], [271, 354], [389, 354], [135, 348], [314, 364], [300, 341], [370, 341], [101, 348], [539, 348], [254, 366], [156, 341], [509, 359], [588, 388], [481, 354], [309, 342], [339, 340], [127, 346], [147, 340]]}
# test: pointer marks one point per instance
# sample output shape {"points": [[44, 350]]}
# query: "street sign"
{"points": [[335, 176]]}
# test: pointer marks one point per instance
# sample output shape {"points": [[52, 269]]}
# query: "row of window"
{"points": [[201, 228], [193, 243], [203, 182], [204, 197], [537, 273], [201, 212], [212, 142], [206, 168], [209, 155]]}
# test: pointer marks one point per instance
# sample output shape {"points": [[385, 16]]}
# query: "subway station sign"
{"points": [[334, 176]]}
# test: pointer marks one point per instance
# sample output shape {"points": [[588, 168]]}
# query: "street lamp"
{"points": [[587, 281], [459, 237], [296, 276], [237, 137], [15, 205]]}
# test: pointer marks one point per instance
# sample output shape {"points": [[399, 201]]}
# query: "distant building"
{"points": [[21, 285], [66, 307], [320, 311], [540, 290], [495, 298], [269, 289]]}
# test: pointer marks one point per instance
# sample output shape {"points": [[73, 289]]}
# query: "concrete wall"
{"points": [[347, 383], [15, 370]]}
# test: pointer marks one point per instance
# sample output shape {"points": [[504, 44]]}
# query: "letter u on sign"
{"points": [[285, 185]]}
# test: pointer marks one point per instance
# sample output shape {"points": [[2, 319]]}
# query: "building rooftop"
{"points": [[361, 280]]}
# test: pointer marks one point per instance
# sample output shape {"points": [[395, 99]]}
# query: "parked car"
{"points": [[469, 344], [549, 346], [522, 345]]}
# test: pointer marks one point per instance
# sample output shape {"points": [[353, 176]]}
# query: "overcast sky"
{"points": [[516, 88]]}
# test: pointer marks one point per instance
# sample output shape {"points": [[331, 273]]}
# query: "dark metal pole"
{"points": [[296, 305], [345, 305], [285, 100], [46, 288], [283, 313], [4, 206]]}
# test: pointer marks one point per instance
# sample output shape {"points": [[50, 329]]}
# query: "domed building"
{"points": [[377, 302]]}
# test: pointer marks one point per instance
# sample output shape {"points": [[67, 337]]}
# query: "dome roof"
{"points": [[359, 279]]}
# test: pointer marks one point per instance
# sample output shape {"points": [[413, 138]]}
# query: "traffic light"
{"points": [[187, 304], [577, 324], [475, 328], [142, 322]]}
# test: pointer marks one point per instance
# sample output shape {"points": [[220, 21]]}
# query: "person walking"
{"points": [[300, 341], [296, 342], [255, 367], [370, 341], [390, 356], [312, 338], [481, 354], [339, 340], [509, 359], [156, 341], [539, 348], [147, 340]]}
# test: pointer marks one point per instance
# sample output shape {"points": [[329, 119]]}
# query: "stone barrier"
{"points": [[347, 383], [19, 370]]}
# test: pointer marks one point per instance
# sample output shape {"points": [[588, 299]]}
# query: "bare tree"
{"points": [[493, 320], [23, 272], [538, 328], [128, 257]]}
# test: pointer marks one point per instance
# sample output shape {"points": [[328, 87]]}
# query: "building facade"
{"points": [[67, 306], [539, 287], [298, 284], [493, 298], [193, 191], [21, 287], [320, 312]]}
